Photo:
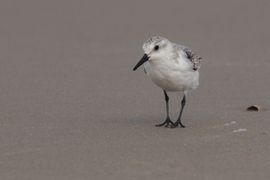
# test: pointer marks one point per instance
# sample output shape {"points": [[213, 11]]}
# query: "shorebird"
{"points": [[173, 68]]}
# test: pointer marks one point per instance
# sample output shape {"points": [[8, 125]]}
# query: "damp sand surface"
{"points": [[72, 108]]}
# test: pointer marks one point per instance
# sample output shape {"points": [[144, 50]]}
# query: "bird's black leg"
{"points": [[178, 122], [168, 121]]}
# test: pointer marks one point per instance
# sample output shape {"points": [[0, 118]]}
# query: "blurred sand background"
{"points": [[72, 108]]}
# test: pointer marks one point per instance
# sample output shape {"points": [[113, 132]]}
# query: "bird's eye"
{"points": [[156, 48]]}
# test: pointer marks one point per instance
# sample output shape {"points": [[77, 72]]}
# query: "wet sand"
{"points": [[72, 108]]}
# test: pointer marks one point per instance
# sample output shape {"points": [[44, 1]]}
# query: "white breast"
{"points": [[172, 75]]}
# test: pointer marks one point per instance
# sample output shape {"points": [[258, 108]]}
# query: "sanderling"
{"points": [[172, 67]]}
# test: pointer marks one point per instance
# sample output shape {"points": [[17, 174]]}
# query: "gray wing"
{"points": [[194, 58]]}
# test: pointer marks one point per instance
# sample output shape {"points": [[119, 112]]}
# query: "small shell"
{"points": [[254, 108]]}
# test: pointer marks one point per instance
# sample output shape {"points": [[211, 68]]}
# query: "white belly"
{"points": [[172, 79]]}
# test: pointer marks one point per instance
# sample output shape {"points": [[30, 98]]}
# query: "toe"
{"points": [[174, 125]]}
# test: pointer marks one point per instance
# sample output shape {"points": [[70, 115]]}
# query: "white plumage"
{"points": [[169, 67], [172, 67]]}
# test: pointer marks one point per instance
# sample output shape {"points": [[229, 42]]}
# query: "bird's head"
{"points": [[155, 48]]}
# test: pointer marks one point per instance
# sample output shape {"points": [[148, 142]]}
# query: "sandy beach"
{"points": [[71, 108]]}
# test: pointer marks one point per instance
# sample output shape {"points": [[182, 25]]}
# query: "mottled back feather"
{"points": [[194, 58]]}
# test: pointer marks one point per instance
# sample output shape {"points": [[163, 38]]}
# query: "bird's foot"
{"points": [[167, 123], [178, 123]]}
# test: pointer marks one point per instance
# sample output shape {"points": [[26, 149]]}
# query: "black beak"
{"points": [[143, 60]]}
